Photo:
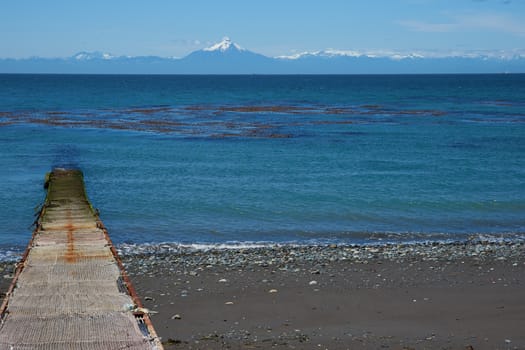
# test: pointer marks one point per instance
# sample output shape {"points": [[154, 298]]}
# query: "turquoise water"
{"points": [[306, 159]]}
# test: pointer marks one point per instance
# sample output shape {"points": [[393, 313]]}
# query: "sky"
{"points": [[174, 28]]}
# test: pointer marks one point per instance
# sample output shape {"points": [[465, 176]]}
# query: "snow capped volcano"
{"points": [[225, 56], [225, 45]]}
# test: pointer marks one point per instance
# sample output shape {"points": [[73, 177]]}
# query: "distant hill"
{"points": [[227, 57]]}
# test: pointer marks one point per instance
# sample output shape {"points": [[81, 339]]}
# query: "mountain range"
{"points": [[227, 57]]}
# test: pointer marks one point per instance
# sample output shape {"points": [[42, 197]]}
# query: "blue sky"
{"points": [[59, 28]]}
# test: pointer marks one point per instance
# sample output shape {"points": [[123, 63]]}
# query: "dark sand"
{"points": [[458, 296], [446, 300]]}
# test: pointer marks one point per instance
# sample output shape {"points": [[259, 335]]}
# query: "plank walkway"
{"points": [[70, 290]]}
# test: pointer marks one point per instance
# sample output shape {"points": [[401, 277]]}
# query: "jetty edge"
{"points": [[70, 289]]}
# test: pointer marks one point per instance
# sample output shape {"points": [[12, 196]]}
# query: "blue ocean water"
{"points": [[305, 159]]}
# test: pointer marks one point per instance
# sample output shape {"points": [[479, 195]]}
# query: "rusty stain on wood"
{"points": [[65, 293], [70, 255]]}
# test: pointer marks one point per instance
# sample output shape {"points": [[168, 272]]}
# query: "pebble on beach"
{"points": [[243, 275]]}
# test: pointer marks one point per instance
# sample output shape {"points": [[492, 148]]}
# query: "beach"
{"points": [[397, 296], [421, 296]]}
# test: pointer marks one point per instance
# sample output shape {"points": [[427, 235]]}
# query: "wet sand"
{"points": [[435, 296], [263, 299]]}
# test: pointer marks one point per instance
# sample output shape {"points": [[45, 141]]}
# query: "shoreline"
{"points": [[431, 296], [12, 253], [398, 296], [485, 244]]}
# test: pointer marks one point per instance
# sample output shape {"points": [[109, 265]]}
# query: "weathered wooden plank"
{"points": [[70, 290]]}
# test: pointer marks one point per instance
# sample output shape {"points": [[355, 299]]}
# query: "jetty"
{"points": [[70, 289]]}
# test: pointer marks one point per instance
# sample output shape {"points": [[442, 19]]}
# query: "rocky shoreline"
{"points": [[288, 256], [435, 295], [398, 296]]}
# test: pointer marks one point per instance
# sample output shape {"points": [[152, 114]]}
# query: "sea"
{"points": [[212, 160]]}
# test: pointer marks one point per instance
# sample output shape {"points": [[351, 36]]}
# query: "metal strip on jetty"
{"points": [[70, 290]]}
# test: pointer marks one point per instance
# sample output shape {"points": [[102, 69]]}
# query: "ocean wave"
{"points": [[11, 254], [378, 239], [14, 254]]}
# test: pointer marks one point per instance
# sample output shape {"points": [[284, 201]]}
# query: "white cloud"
{"points": [[187, 42], [420, 26], [501, 23], [494, 22]]}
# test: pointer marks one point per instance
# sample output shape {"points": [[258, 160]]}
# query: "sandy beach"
{"points": [[436, 296], [425, 296]]}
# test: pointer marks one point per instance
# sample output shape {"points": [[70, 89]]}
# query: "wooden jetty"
{"points": [[70, 290]]}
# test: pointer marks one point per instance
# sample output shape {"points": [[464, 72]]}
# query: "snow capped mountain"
{"points": [[325, 53], [225, 45], [331, 53], [402, 55], [225, 48], [95, 55], [227, 57]]}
